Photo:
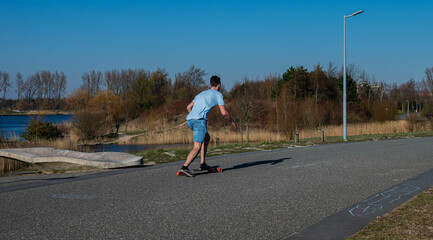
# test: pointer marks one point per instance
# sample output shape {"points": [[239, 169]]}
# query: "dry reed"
{"points": [[12, 136], [355, 129], [9, 165], [183, 135], [60, 143]]}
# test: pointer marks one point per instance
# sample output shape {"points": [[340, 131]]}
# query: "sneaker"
{"points": [[186, 172], [205, 167]]}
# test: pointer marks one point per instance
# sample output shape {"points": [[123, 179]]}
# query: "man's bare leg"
{"points": [[204, 148], [193, 153]]}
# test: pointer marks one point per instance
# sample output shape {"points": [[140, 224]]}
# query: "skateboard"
{"points": [[199, 172]]}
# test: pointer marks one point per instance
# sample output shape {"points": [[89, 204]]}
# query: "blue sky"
{"points": [[391, 40]]}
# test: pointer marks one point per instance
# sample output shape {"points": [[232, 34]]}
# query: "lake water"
{"points": [[15, 125]]}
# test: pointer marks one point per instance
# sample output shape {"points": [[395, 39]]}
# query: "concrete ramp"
{"points": [[46, 156]]}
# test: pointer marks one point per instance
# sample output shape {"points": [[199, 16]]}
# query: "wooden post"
{"points": [[323, 135]]}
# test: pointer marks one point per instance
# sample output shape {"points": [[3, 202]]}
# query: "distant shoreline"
{"points": [[35, 113]]}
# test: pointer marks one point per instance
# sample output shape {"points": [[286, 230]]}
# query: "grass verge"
{"points": [[165, 155], [162, 155], [412, 220]]}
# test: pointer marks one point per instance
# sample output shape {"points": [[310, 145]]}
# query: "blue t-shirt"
{"points": [[204, 102]]}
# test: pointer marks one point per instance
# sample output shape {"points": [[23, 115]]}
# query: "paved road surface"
{"points": [[260, 195]]}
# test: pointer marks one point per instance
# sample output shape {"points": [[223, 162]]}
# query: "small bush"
{"points": [[38, 130], [91, 124], [383, 111]]}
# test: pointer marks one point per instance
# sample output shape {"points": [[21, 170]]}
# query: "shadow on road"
{"points": [[59, 178], [240, 166], [252, 164]]}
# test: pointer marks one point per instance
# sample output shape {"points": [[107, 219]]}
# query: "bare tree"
{"points": [[428, 82], [247, 113], [269, 86], [59, 86], [353, 71], [331, 70], [409, 91], [286, 112], [47, 80], [30, 89], [20, 85], [44, 87], [364, 77], [112, 82], [4, 83], [92, 82], [318, 82], [39, 88], [188, 83], [108, 81], [247, 106], [127, 78], [194, 76], [141, 89], [181, 90], [160, 87]]}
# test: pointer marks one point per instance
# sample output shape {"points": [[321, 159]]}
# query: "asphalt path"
{"points": [[259, 195]]}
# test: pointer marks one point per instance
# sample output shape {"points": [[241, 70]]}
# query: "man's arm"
{"points": [[189, 107], [227, 115]]}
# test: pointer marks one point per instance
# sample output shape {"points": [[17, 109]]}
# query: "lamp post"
{"points": [[344, 77]]}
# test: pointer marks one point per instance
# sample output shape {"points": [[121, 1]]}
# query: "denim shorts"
{"points": [[199, 127]]}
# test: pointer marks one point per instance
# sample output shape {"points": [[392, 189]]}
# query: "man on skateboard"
{"points": [[198, 110]]}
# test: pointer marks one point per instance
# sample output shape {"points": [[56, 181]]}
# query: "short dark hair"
{"points": [[214, 81]]}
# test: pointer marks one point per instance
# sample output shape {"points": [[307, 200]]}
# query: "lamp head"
{"points": [[356, 13]]}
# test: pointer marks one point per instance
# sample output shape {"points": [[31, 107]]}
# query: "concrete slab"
{"points": [[46, 156]]}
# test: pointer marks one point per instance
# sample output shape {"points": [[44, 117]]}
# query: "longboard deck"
{"points": [[196, 172]]}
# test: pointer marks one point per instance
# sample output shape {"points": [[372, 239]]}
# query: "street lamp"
{"points": [[344, 77]]}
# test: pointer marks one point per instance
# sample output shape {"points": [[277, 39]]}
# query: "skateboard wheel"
{"points": [[219, 169], [178, 173]]}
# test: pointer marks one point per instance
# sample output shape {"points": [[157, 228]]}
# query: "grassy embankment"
{"points": [[162, 155], [412, 220]]}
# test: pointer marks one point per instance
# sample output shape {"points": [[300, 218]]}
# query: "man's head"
{"points": [[215, 81]]}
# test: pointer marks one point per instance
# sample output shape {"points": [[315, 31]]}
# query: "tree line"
{"points": [[119, 96], [296, 99], [302, 99], [42, 90]]}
